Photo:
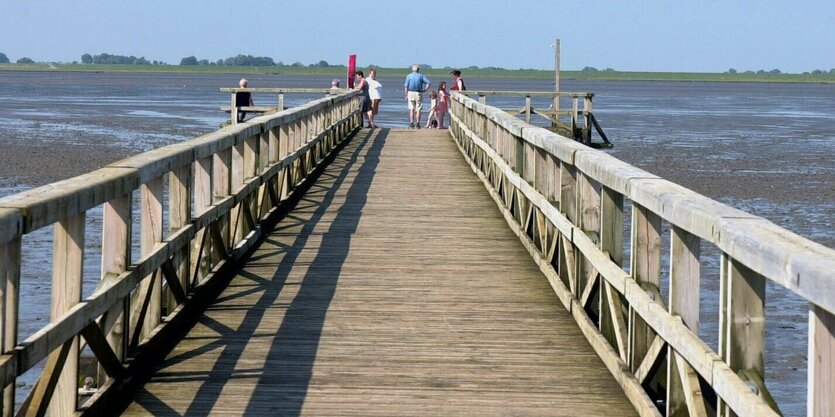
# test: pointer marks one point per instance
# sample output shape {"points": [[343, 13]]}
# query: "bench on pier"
{"points": [[280, 92]]}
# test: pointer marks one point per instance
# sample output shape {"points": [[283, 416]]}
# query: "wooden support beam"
{"points": [[741, 319], [179, 211], [67, 278], [150, 235], [116, 242], [104, 354], [821, 386], [10, 262], [48, 387], [646, 268], [684, 302], [652, 360], [203, 189], [170, 274]]}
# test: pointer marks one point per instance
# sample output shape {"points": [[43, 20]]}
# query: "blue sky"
{"points": [[642, 35]]}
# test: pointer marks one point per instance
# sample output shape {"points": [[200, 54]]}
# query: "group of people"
{"points": [[413, 88], [372, 92]]}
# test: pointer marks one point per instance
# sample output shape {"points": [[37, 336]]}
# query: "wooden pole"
{"points": [[556, 78]]}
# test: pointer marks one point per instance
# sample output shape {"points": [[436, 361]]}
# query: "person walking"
{"points": [[413, 88], [375, 92]]}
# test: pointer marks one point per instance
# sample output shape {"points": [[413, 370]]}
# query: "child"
{"points": [[433, 109], [443, 104]]}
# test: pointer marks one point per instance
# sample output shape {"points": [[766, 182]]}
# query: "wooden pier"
{"points": [[296, 264], [394, 288]]}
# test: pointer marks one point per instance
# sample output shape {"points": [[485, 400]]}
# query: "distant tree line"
{"points": [[108, 59], [253, 61], [776, 71], [593, 69]]}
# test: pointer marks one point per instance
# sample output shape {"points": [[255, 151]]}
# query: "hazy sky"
{"points": [[650, 35]]}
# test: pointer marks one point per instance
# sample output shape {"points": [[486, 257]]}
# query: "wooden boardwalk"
{"points": [[394, 288]]}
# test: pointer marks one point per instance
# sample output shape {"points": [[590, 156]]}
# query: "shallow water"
{"points": [[764, 148]]}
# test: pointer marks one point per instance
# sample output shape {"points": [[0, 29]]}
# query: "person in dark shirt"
{"points": [[243, 99]]}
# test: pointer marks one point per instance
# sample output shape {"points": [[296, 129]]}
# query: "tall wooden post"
{"points": [[556, 81]]}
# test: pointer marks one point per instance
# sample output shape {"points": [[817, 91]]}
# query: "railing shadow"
{"points": [[292, 353]]}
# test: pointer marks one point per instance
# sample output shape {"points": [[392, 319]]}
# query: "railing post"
{"points": [[202, 200], [821, 385], [148, 296], [179, 211], [10, 298], [237, 176], [284, 142], [67, 277], [222, 188], [611, 241], [574, 116], [742, 323], [646, 269], [116, 238], [568, 206], [280, 103], [682, 381], [587, 119], [528, 109], [588, 210], [233, 112]]}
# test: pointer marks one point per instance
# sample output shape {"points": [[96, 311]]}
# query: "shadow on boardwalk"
{"points": [[293, 349]]}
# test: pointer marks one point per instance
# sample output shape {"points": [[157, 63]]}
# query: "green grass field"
{"points": [[469, 73]]}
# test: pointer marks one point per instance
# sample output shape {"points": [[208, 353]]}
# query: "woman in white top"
{"points": [[375, 92]]}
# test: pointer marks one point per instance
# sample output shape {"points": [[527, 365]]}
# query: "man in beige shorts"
{"points": [[413, 88]]}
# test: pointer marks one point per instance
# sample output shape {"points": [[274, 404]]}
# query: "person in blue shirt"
{"points": [[416, 83]]}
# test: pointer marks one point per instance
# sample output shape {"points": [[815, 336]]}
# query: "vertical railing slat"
{"points": [[67, 277], [10, 262], [685, 252], [821, 397], [116, 237]]}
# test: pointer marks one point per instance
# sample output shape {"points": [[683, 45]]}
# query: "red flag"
{"points": [[352, 70]]}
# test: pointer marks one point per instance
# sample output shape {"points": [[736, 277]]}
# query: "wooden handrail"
{"points": [[263, 159], [566, 203]]}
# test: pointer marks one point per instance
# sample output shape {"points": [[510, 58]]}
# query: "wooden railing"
{"points": [[220, 188], [279, 92], [566, 203], [573, 128]]}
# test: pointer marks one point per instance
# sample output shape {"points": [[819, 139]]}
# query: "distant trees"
{"points": [[249, 61], [4, 59], [106, 58], [189, 60], [238, 60], [25, 60]]}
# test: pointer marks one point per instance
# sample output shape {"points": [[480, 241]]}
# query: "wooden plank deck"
{"points": [[394, 288]]}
